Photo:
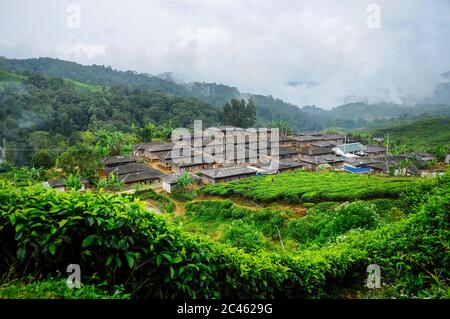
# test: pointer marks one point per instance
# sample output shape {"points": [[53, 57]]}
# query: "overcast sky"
{"points": [[306, 52]]}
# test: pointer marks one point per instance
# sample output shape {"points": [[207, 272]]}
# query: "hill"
{"points": [[269, 109], [426, 134]]}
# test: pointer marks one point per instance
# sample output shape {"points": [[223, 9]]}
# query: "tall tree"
{"points": [[239, 113]]}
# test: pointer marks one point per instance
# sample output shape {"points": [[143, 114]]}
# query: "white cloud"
{"points": [[82, 51], [258, 46]]}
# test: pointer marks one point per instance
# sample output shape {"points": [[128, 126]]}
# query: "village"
{"points": [[207, 158]]}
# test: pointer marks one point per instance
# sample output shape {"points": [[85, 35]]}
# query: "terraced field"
{"points": [[303, 187]]}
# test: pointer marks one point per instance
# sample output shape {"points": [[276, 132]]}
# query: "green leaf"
{"points": [[89, 240], [52, 248], [158, 260], [21, 253], [130, 259], [62, 222], [12, 219]]}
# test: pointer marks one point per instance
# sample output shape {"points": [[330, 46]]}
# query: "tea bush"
{"points": [[115, 239], [302, 187]]}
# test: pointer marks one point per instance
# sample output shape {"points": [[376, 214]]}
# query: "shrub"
{"points": [[242, 235]]}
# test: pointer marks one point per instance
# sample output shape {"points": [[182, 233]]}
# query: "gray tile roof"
{"points": [[228, 172], [120, 159], [127, 168], [173, 178], [142, 176]]}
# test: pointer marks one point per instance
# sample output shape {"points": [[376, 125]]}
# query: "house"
{"points": [[324, 144], [349, 148], [276, 166], [126, 169], [333, 137], [315, 151], [165, 159], [288, 153], [139, 149], [304, 140], [170, 181], [314, 162], [286, 141], [59, 184], [151, 150], [141, 177], [374, 150], [190, 164], [226, 174], [424, 157], [113, 161], [378, 167]]}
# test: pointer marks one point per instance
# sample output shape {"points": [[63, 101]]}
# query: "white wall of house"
{"points": [[166, 186]]}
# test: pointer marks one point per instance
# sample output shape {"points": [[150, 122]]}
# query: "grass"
{"points": [[54, 289], [305, 187], [10, 77], [419, 134]]}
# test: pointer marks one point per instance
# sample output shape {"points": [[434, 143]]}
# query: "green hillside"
{"points": [[427, 134]]}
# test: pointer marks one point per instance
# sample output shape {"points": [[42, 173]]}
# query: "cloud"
{"points": [[81, 52], [258, 46]]}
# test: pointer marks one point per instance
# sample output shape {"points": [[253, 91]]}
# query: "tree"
{"points": [[110, 143], [43, 159], [239, 113], [80, 158], [147, 132], [184, 181]]}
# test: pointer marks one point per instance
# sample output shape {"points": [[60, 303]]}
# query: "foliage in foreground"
{"points": [[55, 289], [115, 238]]}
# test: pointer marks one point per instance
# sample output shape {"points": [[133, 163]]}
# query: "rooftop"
{"points": [[149, 174], [228, 172], [126, 169], [119, 159], [351, 147], [173, 178]]}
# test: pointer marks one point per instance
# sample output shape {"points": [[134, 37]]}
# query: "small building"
{"points": [[142, 177], [126, 169], [59, 184], [190, 164], [314, 162], [226, 174], [288, 153], [447, 159], [374, 150], [349, 148], [304, 140], [315, 151], [169, 182], [139, 149], [151, 150], [113, 161], [324, 144], [424, 157], [278, 166]]}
